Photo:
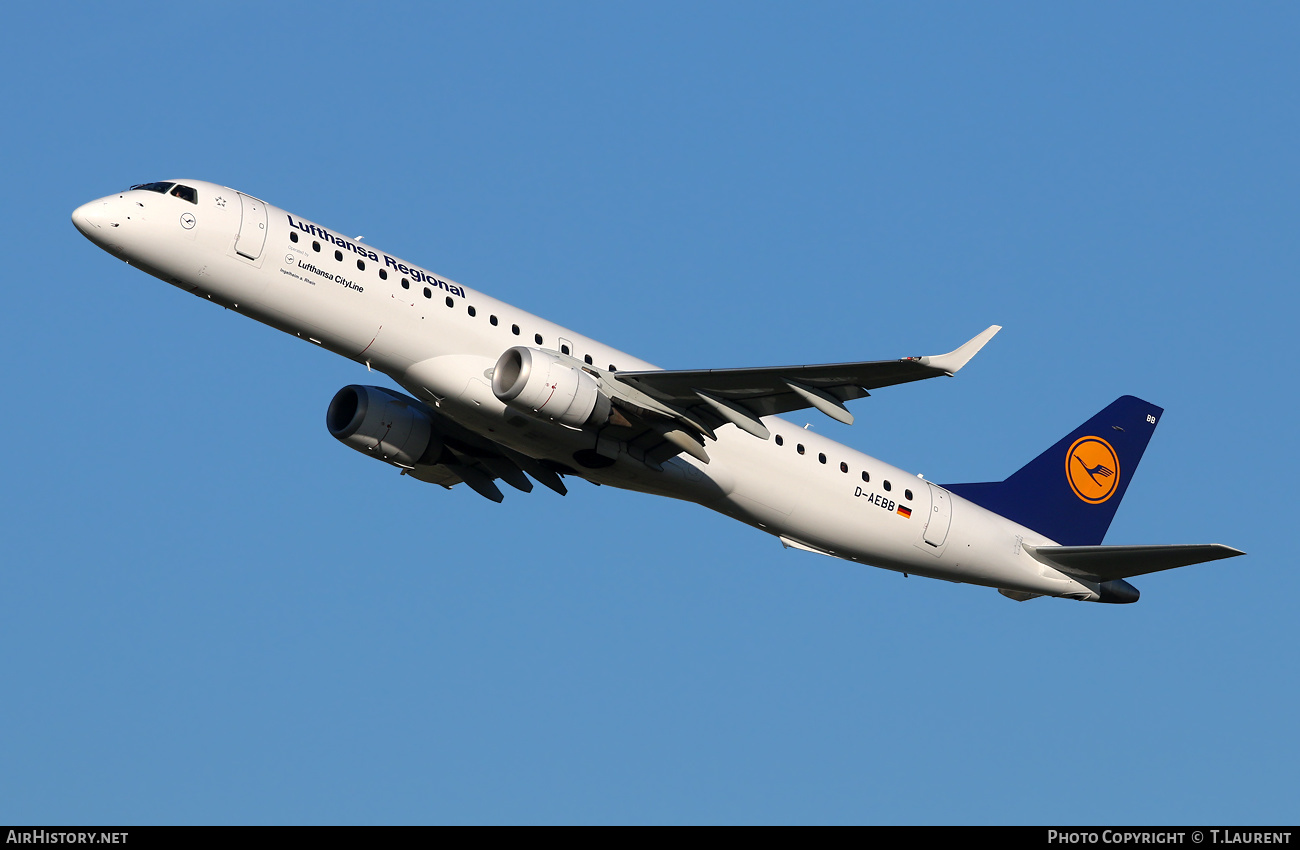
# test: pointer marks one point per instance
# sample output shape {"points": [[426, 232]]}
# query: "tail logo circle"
{"points": [[1092, 468]]}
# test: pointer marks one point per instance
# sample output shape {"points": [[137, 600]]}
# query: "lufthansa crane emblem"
{"points": [[1092, 468]]}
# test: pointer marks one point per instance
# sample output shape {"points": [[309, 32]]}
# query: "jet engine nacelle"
{"points": [[549, 385], [384, 424]]}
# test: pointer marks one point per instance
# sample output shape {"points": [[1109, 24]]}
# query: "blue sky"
{"points": [[214, 613]]}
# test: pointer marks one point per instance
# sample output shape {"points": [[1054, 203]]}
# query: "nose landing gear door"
{"points": [[252, 227]]}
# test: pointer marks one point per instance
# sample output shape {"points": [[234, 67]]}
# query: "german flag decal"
{"points": [[904, 512]]}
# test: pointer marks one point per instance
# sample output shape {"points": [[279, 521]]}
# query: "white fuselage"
{"points": [[440, 340]]}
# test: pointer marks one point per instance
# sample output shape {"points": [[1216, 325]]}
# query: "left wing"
{"points": [[704, 399]]}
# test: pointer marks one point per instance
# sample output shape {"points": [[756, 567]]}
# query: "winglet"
{"points": [[954, 360]]}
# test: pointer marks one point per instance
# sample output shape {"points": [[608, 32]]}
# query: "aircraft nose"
{"points": [[89, 218]]}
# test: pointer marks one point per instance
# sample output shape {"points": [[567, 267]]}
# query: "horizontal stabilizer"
{"points": [[1114, 562]]}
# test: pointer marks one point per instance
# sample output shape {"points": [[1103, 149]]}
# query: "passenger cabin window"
{"points": [[844, 467], [315, 246], [564, 349], [406, 284], [492, 320], [887, 487], [160, 188], [908, 494], [472, 311], [537, 338], [338, 256], [514, 329], [185, 193], [361, 265], [779, 440], [293, 236], [866, 476], [587, 358], [383, 275]]}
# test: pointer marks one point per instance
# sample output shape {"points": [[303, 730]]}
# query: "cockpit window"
{"points": [[185, 193], [160, 188]]}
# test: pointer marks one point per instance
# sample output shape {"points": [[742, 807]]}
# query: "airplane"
{"points": [[499, 395]]}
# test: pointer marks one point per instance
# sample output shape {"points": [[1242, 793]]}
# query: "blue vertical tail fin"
{"points": [[1071, 491]]}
